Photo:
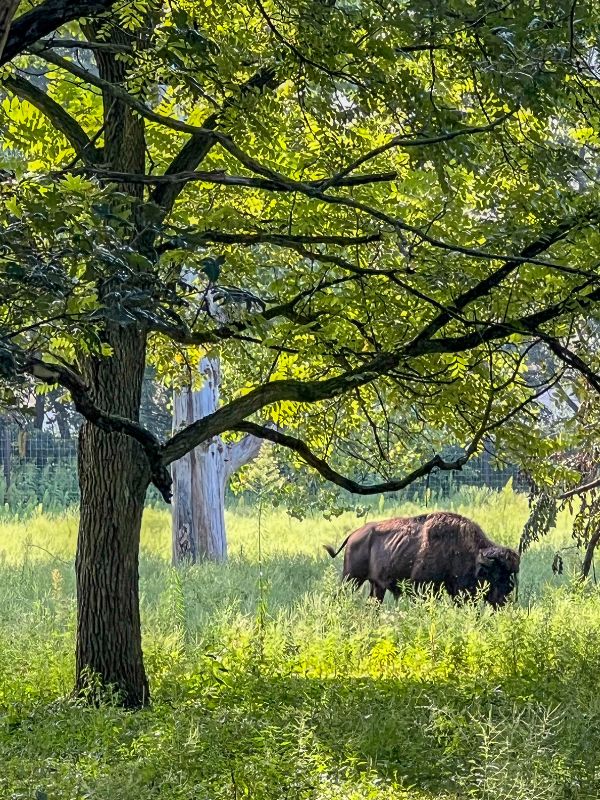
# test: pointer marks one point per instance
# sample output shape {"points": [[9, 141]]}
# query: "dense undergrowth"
{"points": [[270, 682]]}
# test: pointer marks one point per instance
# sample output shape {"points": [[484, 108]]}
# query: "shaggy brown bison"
{"points": [[442, 549]]}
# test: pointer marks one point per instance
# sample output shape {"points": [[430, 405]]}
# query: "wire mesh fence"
{"points": [[38, 450], [37, 469], [38, 472]]}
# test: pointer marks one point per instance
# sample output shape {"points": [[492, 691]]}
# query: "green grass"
{"points": [[283, 686]]}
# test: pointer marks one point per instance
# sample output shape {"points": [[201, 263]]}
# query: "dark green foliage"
{"points": [[543, 512], [53, 489]]}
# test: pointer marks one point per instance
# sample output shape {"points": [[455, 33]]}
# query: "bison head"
{"points": [[497, 566]]}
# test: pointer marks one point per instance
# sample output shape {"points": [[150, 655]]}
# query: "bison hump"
{"points": [[450, 527]]}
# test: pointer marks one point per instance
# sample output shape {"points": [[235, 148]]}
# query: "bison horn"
{"points": [[507, 557], [486, 557]]}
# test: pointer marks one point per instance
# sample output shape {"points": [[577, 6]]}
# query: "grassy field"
{"points": [[268, 682]]}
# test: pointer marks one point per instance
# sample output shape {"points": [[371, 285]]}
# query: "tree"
{"points": [[575, 411], [201, 476], [393, 182], [44, 19]]}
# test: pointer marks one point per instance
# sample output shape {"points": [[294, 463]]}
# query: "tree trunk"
{"points": [[40, 412], [589, 555], [113, 470], [200, 477], [113, 478]]}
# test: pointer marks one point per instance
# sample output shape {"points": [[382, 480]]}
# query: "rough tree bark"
{"points": [[113, 477], [113, 471], [200, 478]]}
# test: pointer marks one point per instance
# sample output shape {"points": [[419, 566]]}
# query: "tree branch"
{"points": [[84, 44], [401, 226], [198, 146], [235, 329], [61, 120], [485, 286], [480, 289], [283, 182], [44, 19], [223, 178], [585, 487], [526, 325], [571, 359], [304, 59], [323, 468], [8, 8], [117, 91], [406, 142], [280, 239], [437, 462], [230, 416], [57, 374]]}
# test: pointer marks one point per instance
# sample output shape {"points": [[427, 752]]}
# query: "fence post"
{"points": [[5, 455]]}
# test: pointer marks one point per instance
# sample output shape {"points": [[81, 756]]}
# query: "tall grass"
{"points": [[269, 681]]}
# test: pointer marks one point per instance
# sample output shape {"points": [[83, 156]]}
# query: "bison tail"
{"points": [[333, 553]]}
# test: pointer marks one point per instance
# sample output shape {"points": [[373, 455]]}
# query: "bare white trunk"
{"points": [[200, 477]]}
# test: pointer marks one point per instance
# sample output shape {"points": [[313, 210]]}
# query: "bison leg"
{"points": [[395, 590], [450, 587], [356, 583], [377, 591]]}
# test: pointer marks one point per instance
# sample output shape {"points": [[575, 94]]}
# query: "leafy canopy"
{"points": [[375, 212]]}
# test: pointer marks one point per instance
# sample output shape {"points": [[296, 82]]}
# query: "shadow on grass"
{"points": [[272, 737], [435, 737]]}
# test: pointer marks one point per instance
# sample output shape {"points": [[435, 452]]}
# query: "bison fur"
{"points": [[441, 549]]}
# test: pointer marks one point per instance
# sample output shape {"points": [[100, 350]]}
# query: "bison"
{"points": [[443, 549]]}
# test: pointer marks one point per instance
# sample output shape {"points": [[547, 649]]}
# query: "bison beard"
{"points": [[442, 549]]}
